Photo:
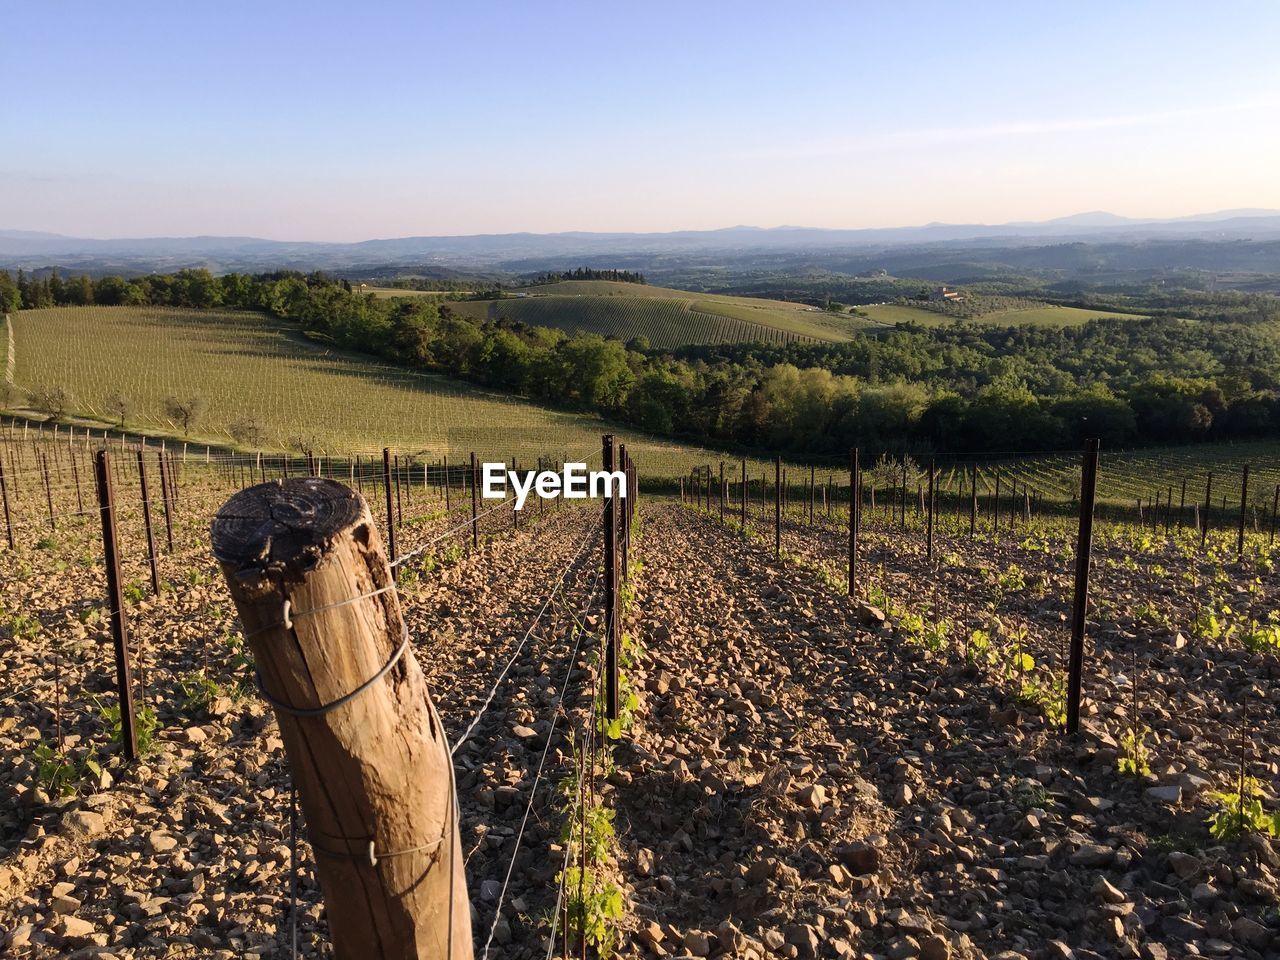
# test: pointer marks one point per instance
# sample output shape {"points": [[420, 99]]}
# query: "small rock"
{"points": [[813, 796], [935, 948], [84, 823], [1184, 864], [161, 842], [1250, 933], [697, 943], [644, 862], [1204, 893], [1093, 855], [1106, 892], [650, 932], [1171, 793], [76, 929]]}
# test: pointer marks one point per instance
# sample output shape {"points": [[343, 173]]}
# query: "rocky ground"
{"points": [[802, 779]]}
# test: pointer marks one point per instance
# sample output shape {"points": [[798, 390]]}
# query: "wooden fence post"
{"points": [[115, 602], [1080, 605], [611, 598], [303, 561], [745, 488], [146, 520]]}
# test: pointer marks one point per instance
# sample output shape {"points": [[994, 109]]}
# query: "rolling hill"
{"points": [[668, 318], [301, 394]]}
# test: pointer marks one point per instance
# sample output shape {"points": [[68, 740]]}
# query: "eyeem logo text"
{"points": [[573, 482]]}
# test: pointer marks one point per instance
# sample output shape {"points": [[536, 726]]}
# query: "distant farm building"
{"points": [[945, 293]]}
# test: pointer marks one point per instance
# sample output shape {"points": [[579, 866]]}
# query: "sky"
{"points": [[349, 121]]}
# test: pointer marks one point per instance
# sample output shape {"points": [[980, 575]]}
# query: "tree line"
{"points": [[586, 273], [966, 387]]}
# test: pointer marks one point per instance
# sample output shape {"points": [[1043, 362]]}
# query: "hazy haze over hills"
{"points": [[20, 248]]}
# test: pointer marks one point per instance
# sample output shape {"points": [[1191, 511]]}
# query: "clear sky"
{"points": [[345, 121]]}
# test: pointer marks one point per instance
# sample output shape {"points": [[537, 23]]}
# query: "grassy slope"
{"points": [[245, 364], [668, 317], [1047, 315]]}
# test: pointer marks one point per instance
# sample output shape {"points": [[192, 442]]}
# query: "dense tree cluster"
{"points": [[586, 273], [965, 387]]}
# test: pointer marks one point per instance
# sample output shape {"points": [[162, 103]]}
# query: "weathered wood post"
{"points": [[1080, 604], [1275, 506], [304, 563]]}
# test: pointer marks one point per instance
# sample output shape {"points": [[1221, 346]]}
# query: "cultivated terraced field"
{"points": [[668, 318], [797, 776], [303, 394], [1048, 315]]}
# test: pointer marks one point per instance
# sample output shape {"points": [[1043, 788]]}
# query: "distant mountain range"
{"points": [[31, 249]]}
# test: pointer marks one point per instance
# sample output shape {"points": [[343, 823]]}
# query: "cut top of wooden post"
{"points": [[305, 566], [284, 526]]}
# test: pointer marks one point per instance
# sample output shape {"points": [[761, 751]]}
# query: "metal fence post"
{"points": [[1080, 606], [611, 604], [115, 601]]}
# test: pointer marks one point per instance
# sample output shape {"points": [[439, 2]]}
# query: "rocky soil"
{"points": [[801, 779]]}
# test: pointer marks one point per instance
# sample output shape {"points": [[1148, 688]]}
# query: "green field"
{"points": [[668, 318], [1124, 477], [303, 394], [888, 314], [385, 293]]}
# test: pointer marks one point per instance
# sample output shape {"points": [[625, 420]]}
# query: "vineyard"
{"points": [[735, 719], [1018, 314], [667, 318], [259, 379]]}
